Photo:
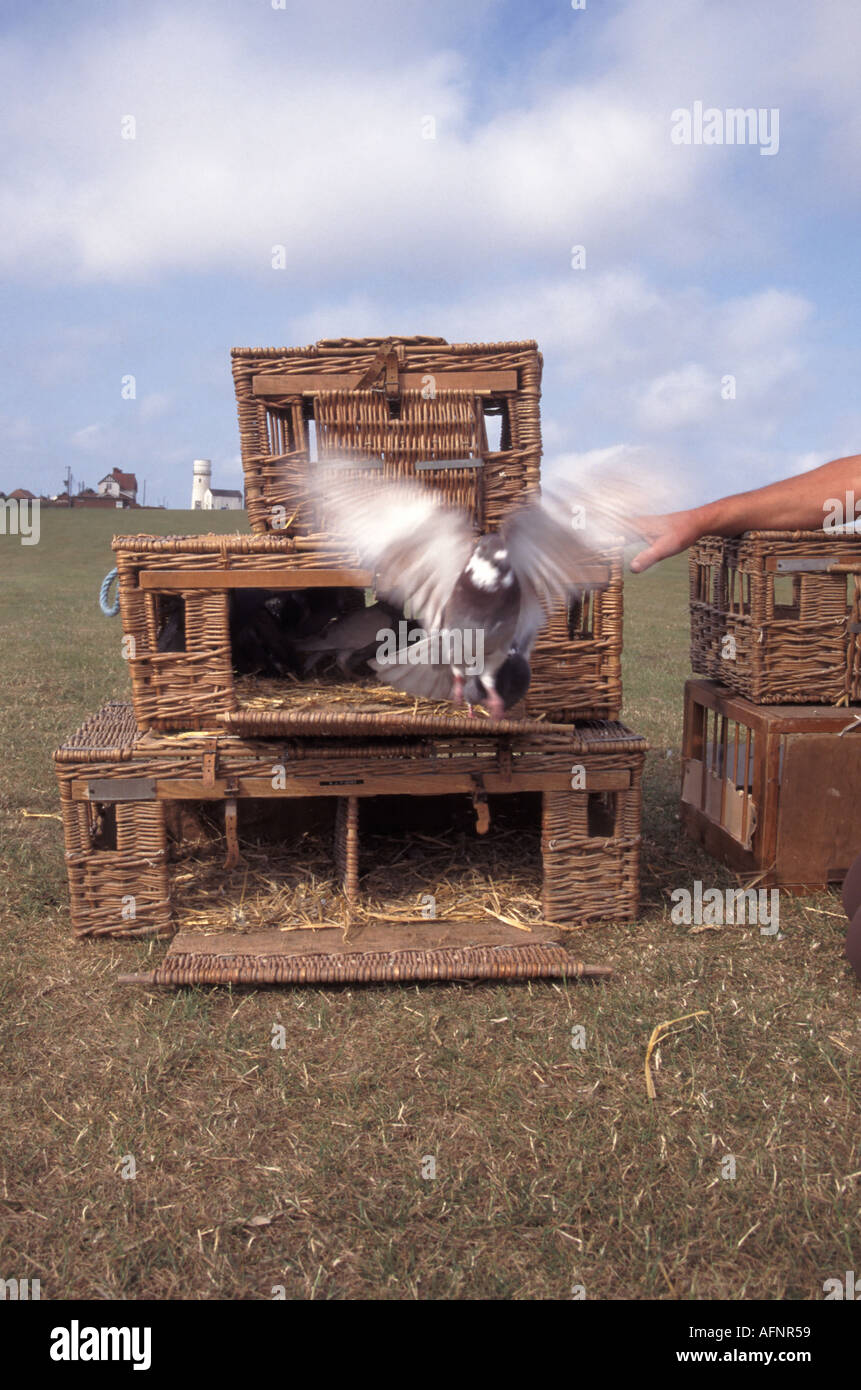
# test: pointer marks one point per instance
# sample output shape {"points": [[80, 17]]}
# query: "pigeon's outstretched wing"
{"points": [[551, 553], [416, 546], [554, 541]]}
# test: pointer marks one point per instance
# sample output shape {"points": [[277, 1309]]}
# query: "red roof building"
{"points": [[119, 484]]}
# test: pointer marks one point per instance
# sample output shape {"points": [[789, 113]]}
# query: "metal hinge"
{"points": [[121, 789], [480, 806], [799, 564]]}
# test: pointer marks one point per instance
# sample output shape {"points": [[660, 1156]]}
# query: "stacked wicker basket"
{"points": [[196, 733], [771, 767]]}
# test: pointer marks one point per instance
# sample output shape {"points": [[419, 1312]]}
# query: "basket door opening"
{"points": [[320, 636], [584, 614], [496, 423], [787, 596], [602, 814], [427, 858], [283, 874], [325, 861]]}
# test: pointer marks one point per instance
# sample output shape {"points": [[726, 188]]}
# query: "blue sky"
{"points": [[302, 126]]}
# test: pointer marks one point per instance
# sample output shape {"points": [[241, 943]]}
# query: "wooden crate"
{"points": [[775, 615], [576, 662], [117, 787], [399, 408], [771, 791]]}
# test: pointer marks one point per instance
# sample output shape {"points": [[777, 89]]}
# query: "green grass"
{"points": [[553, 1167]]}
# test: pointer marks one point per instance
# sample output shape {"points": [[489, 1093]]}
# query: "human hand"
{"points": [[668, 534]]}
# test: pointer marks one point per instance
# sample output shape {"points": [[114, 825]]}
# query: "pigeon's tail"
{"points": [[417, 676]]}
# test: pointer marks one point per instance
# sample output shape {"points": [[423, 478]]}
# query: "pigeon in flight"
{"points": [[479, 602]]}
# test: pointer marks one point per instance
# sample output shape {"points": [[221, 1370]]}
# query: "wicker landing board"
{"points": [[478, 950], [337, 722]]}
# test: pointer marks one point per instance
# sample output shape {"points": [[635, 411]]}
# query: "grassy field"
{"points": [[302, 1168]]}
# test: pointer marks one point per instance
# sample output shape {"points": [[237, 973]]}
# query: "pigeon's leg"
{"points": [[457, 688], [495, 704]]}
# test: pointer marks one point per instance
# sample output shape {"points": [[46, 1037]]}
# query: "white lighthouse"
{"points": [[201, 484]]}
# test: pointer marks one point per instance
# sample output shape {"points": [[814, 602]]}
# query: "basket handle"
{"points": [[110, 610]]}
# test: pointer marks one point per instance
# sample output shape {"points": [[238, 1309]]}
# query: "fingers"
{"points": [[662, 547], [646, 558]]}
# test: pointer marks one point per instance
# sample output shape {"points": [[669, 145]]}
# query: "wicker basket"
{"points": [[775, 615], [116, 783], [771, 791], [576, 663], [399, 407]]}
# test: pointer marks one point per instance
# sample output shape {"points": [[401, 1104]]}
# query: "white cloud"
{"points": [[155, 405], [688, 396], [236, 152], [242, 143], [91, 438]]}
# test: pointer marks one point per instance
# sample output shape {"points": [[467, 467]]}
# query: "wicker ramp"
{"points": [[274, 723], [478, 950]]}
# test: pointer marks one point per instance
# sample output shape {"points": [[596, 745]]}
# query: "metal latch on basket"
{"points": [[482, 810], [801, 564], [233, 857], [121, 789], [384, 360]]}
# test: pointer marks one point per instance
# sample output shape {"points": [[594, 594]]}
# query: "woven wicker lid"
{"points": [[341, 345]]}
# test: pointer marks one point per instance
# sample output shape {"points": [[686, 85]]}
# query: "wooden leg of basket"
{"points": [[347, 845], [233, 858]]}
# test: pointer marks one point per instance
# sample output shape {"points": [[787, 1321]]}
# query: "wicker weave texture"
{"points": [[777, 635], [590, 840], [394, 428], [395, 967]]}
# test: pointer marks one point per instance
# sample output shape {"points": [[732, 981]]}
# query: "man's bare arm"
{"points": [[793, 504]]}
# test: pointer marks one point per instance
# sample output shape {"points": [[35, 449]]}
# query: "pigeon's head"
{"points": [[512, 682], [489, 566], [512, 679]]}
